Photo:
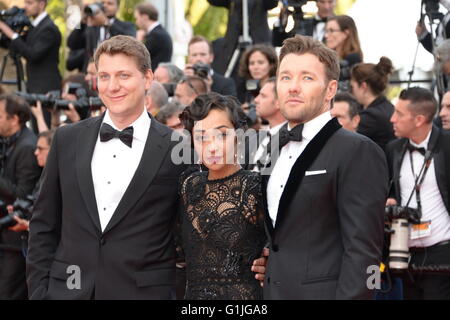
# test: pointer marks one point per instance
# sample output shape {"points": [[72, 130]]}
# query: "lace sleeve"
{"points": [[251, 205]]}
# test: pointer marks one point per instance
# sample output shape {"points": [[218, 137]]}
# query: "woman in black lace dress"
{"points": [[222, 223]]}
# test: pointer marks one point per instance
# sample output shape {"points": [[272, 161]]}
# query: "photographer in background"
{"points": [[442, 32], [100, 23], [422, 143], [40, 48], [19, 174], [151, 32], [200, 57], [346, 109]]}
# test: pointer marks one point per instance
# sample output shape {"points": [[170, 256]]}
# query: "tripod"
{"points": [[19, 81], [434, 18], [243, 42]]}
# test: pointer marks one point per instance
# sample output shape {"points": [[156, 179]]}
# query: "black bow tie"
{"points": [[319, 20], [294, 135], [107, 133], [412, 148]]}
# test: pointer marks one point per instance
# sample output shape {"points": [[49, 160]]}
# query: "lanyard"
{"points": [[418, 183]]}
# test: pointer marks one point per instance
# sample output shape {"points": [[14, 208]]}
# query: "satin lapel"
{"points": [[303, 162], [155, 150], [439, 164], [85, 149], [269, 225], [397, 159]]}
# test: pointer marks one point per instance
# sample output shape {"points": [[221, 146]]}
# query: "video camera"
{"points": [[22, 208], [302, 25], [52, 99], [16, 19]]}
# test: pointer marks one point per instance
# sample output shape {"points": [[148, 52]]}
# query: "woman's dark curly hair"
{"points": [[203, 104]]}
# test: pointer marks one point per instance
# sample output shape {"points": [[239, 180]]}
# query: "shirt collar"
{"points": [[276, 128], [140, 126], [38, 19], [153, 26], [312, 127], [424, 143]]}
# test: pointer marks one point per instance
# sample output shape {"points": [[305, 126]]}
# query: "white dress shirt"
{"points": [[319, 29], [263, 145], [433, 207], [288, 155], [114, 164]]}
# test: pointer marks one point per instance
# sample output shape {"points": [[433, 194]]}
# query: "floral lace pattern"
{"points": [[222, 233]]}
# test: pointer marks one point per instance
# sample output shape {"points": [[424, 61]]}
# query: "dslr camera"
{"points": [[22, 208], [201, 70], [16, 19], [93, 9]]}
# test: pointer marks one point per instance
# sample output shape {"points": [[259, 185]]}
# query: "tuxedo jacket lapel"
{"points": [[85, 149], [154, 153], [303, 162], [439, 164]]}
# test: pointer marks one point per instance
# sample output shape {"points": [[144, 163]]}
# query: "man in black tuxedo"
{"points": [[109, 194], [422, 143], [325, 225], [19, 173], [40, 48], [151, 32], [200, 50], [102, 24]]}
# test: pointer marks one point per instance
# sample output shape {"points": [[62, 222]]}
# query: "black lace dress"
{"points": [[222, 233]]}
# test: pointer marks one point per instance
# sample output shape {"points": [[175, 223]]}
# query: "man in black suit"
{"points": [[19, 174], [442, 31], [200, 51], [422, 144], [258, 27], [151, 32], [40, 48], [102, 24], [113, 188], [325, 226]]}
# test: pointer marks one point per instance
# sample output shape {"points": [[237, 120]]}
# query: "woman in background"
{"points": [[368, 82]]}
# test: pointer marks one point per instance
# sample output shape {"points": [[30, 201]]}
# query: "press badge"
{"points": [[421, 230]]}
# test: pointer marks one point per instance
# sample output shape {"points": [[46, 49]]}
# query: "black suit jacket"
{"points": [[329, 227], [439, 143], [40, 48], [159, 44], [258, 27], [222, 85], [375, 122], [19, 177], [134, 257]]}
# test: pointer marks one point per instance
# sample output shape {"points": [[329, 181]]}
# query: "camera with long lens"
{"points": [[201, 70], [16, 19], [53, 101], [93, 9], [22, 209], [400, 218]]}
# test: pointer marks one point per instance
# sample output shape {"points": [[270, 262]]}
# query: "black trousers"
{"points": [[13, 284], [425, 285]]}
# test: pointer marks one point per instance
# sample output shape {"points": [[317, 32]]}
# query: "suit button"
{"points": [[102, 241], [275, 247]]}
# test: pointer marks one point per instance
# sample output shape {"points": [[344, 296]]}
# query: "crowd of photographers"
{"points": [[360, 106]]}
